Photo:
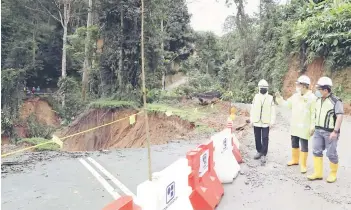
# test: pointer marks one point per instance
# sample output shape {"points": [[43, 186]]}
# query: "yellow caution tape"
{"points": [[132, 119], [97, 127], [27, 148], [59, 141]]}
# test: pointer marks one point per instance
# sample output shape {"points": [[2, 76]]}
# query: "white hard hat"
{"points": [[325, 81], [262, 83], [304, 80]]}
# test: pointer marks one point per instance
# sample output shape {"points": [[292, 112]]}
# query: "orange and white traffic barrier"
{"points": [[207, 190], [168, 189], [226, 166], [122, 203], [235, 141], [236, 153]]}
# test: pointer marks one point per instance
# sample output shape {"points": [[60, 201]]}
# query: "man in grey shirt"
{"points": [[329, 116]]}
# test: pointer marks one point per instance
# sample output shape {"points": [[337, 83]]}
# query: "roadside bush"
{"points": [[45, 147], [36, 129], [69, 93]]}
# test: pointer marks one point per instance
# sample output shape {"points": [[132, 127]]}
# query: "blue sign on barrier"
{"points": [[170, 192]]}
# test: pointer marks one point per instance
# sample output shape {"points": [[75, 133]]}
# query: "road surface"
{"points": [[69, 181]]}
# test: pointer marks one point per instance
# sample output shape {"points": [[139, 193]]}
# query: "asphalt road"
{"points": [[60, 180]]}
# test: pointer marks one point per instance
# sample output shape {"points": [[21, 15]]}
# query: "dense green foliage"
{"points": [[260, 47], [32, 48], [326, 32], [108, 51]]}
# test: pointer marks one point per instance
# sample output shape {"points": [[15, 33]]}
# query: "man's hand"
{"points": [[312, 132], [333, 135]]}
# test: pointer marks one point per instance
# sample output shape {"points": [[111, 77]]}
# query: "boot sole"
{"points": [[330, 181], [295, 164], [303, 172], [315, 179]]}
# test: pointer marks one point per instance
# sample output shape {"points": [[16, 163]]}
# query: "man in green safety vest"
{"points": [[329, 116], [262, 116], [302, 105]]}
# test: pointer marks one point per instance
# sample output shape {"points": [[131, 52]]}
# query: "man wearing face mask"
{"points": [[329, 116], [262, 116], [302, 105]]}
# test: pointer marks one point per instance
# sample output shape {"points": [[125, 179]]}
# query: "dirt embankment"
{"points": [[42, 113], [121, 134], [315, 70]]}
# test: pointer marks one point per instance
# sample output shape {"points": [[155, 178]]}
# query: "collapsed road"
{"points": [[60, 180]]}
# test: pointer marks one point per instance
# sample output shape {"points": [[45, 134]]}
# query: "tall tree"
{"points": [[87, 52]]}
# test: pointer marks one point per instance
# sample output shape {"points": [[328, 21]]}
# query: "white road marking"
{"points": [[112, 178], [102, 181]]}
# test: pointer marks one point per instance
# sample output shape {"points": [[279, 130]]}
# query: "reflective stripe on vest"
{"points": [[325, 114], [262, 110]]}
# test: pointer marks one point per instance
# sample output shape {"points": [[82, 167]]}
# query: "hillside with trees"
{"points": [[81, 51]]}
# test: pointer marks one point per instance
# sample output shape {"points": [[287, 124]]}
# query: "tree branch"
{"points": [[48, 12], [59, 11]]}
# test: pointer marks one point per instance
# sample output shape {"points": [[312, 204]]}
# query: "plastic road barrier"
{"points": [[168, 189], [235, 141], [226, 166], [122, 203], [237, 154], [207, 190]]}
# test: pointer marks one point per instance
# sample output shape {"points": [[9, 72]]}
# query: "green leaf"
{"points": [[335, 42]]}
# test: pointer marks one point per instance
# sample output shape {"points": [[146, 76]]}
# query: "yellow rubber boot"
{"points": [[318, 169], [295, 152], [303, 162], [333, 170]]}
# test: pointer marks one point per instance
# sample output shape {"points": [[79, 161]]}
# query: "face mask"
{"points": [[298, 89], [263, 90], [318, 93]]}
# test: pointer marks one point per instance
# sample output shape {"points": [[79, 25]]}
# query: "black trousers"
{"points": [[295, 143], [261, 139]]}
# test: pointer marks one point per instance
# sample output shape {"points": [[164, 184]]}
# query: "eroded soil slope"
{"points": [[315, 70], [122, 134]]}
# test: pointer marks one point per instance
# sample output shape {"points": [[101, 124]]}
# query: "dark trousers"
{"points": [[295, 143], [261, 139]]}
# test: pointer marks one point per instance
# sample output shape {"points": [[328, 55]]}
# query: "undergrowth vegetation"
{"points": [[261, 47], [48, 146], [37, 129], [99, 66]]}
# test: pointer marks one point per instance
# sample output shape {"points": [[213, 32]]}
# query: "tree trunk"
{"points": [[86, 64], [63, 68], [34, 45], [120, 63], [64, 53], [162, 59], [64, 22]]}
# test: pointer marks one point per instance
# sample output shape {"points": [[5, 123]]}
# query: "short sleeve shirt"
{"points": [[339, 108]]}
